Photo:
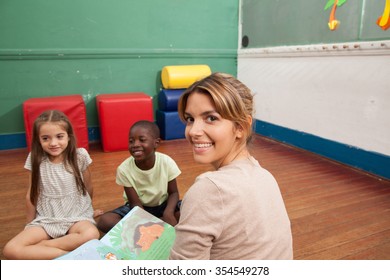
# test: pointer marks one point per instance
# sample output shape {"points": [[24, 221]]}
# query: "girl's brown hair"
{"points": [[37, 152], [232, 99]]}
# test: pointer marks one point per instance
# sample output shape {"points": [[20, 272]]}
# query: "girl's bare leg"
{"points": [[27, 245], [78, 234]]}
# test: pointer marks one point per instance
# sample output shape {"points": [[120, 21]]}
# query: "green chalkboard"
{"points": [[269, 23]]}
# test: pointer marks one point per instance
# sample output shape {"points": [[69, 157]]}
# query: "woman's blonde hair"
{"points": [[232, 99]]}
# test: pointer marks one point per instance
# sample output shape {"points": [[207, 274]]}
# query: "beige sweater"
{"points": [[236, 212]]}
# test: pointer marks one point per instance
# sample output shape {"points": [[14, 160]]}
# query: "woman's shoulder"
{"points": [[236, 170], [203, 187], [206, 180]]}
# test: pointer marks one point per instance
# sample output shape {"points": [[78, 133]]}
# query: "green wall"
{"points": [[87, 47]]}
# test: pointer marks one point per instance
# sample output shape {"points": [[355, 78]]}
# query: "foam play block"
{"points": [[171, 127], [72, 106], [117, 113], [168, 99], [182, 76]]}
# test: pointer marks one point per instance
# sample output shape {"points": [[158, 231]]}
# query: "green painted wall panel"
{"points": [[88, 77], [118, 24], [88, 47]]}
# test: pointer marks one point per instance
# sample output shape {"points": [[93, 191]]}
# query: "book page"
{"points": [[141, 236], [92, 250]]}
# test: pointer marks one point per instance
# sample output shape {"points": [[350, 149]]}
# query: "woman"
{"points": [[236, 211]]}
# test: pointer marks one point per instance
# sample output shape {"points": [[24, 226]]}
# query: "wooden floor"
{"points": [[336, 212]]}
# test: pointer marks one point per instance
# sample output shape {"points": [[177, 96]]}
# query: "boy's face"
{"points": [[142, 144]]}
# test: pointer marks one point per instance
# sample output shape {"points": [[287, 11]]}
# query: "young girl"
{"points": [[59, 207], [236, 211]]}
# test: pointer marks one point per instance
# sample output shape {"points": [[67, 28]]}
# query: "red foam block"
{"points": [[72, 106], [117, 113]]}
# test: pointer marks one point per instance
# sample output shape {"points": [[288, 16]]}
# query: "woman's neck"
{"points": [[242, 153]]}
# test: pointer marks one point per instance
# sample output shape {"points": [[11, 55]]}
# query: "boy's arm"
{"points": [[30, 208], [132, 197], [173, 198]]}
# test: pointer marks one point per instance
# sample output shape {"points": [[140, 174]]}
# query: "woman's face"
{"points": [[214, 139]]}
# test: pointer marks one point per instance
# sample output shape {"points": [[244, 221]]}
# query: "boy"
{"points": [[148, 178]]}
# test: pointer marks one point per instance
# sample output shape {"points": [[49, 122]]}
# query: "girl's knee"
{"points": [[85, 231], [91, 233], [12, 251]]}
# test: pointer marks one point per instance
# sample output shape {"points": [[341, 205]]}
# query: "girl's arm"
{"points": [[88, 181], [89, 187], [173, 198], [30, 208]]}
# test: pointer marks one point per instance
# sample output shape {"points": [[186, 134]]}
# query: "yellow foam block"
{"points": [[182, 76]]}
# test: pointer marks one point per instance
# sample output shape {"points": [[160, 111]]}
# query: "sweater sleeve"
{"points": [[200, 222]]}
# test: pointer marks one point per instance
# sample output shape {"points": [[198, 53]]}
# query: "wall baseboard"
{"points": [[13, 141], [372, 162]]}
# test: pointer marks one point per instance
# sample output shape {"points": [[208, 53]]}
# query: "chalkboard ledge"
{"points": [[335, 49]]}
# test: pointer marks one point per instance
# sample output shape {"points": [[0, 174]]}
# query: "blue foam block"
{"points": [[171, 127], [168, 99]]}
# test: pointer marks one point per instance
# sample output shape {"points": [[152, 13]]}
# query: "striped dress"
{"points": [[60, 205]]}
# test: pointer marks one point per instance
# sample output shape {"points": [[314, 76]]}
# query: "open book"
{"points": [[138, 236]]}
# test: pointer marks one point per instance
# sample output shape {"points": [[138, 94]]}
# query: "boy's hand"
{"points": [[169, 218]]}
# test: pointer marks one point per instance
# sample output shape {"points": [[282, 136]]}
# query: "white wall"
{"points": [[339, 92]]}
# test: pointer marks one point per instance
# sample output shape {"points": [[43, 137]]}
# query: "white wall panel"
{"points": [[337, 92]]}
